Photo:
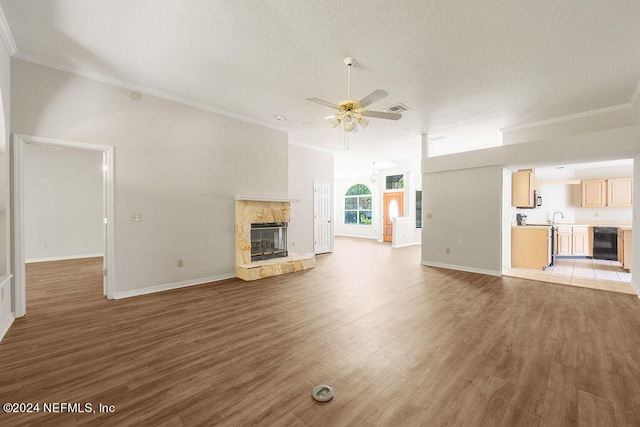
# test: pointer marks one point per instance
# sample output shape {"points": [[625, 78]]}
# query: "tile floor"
{"points": [[585, 273]]}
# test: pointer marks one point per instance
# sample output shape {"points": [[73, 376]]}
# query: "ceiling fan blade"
{"points": [[323, 102], [331, 117], [372, 97], [382, 115]]}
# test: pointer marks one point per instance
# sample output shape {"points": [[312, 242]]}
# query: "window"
{"points": [[357, 205], [395, 182], [418, 209]]}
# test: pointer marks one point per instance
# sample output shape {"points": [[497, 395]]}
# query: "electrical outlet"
{"points": [[293, 244], [136, 217], [43, 246], [448, 250], [429, 216], [180, 263], [597, 214], [460, 242]]}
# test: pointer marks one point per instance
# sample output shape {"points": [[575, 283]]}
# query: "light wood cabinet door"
{"points": [[580, 241], [620, 192], [620, 247], [626, 249], [563, 243], [522, 186], [593, 193]]}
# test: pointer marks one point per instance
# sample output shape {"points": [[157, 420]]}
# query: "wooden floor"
{"points": [[400, 343]]}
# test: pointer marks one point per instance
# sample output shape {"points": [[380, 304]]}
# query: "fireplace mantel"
{"points": [[267, 199]]}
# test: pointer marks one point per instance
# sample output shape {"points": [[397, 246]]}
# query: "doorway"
{"points": [[18, 148], [393, 207]]}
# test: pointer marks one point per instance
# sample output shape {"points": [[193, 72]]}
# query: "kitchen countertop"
{"points": [[624, 227]]}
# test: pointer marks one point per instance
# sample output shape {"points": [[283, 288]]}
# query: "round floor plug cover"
{"points": [[322, 393]]}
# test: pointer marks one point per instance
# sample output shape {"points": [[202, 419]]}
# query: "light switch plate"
{"points": [[136, 217]]}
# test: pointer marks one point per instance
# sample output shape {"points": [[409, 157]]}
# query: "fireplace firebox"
{"points": [[268, 240]]}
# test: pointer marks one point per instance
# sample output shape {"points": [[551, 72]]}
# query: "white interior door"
{"points": [[323, 233]]}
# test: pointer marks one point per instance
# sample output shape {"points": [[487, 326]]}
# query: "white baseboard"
{"points": [[636, 288], [404, 245], [62, 258], [462, 268], [5, 325], [169, 286]]}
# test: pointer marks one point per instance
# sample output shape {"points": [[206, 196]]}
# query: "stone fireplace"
{"points": [[261, 239]]}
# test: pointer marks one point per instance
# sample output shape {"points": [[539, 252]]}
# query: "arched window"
{"points": [[357, 205]]}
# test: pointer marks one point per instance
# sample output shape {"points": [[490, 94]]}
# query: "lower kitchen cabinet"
{"points": [[572, 240], [580, 240], [563, 241], [624, 248], [530, 247]]}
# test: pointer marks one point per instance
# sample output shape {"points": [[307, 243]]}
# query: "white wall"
{"points": [[63, 203], [178, 166], [465, 205], [635, 235], [507, 212], [305, 166], [5, 254]]}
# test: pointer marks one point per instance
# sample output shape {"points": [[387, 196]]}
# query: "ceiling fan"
{"points": [[351, 113]]}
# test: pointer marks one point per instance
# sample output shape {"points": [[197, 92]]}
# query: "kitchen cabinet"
{"points": [[624, 248], [523, 185], [572, 240], [620, 192], [530, 247], [563, 241], [615, 193], [593, 193], [580, 240]]}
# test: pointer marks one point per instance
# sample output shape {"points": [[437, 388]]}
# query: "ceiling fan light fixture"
{"points": [[350, 112], [349, 126]]}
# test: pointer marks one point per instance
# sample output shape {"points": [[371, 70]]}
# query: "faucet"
{"points": [[553, 218]]}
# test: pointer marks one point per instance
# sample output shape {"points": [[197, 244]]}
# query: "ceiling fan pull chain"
{"points": [[349, 81]]}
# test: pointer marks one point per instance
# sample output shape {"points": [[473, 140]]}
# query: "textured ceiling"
{"points": [[464, 68]]}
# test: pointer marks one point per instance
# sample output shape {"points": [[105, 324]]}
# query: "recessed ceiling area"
{"points": [[465, 69]]}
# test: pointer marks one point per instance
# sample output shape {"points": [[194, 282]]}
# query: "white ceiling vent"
{"points": [[398, 108]]}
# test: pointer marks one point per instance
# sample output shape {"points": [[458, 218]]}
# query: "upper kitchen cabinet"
{"points": [[523, 187], [593, 193], [617, 193], [620, 192]]}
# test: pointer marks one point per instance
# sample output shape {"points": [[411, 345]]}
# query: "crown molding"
{"points": [[635, 98], [569, 117], [143, 89], [5, 33]]}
